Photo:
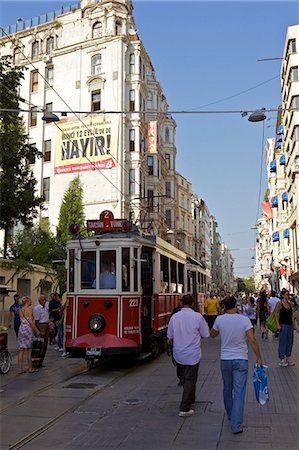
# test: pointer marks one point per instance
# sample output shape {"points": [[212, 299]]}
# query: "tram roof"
{"points": [[152, 241]]}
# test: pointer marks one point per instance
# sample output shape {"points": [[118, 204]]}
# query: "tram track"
{"points": [[40, 430], [87, 378]]}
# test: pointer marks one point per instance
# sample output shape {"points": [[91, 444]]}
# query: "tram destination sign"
{"points": [[106, 222]]}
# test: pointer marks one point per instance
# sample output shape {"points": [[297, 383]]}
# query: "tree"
{"points": [[36, 246], [19, 202], [71, 210]]}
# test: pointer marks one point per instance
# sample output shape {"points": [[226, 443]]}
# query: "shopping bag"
{"points": [[260, 384], [271, 323], [37, 348]]}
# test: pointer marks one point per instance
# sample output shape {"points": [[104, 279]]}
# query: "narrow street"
{"points": [[135, 406]]}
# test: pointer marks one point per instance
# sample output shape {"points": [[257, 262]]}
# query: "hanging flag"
{"points": [[267, 210]]}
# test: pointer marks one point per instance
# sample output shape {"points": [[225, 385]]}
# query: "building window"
{"points": [[49, 107], [150, 100], [47, 151], [131, 181], [167, 159], [50, 45], [150, 165], [46, 189], [96, 64], [168, 189], [96, 100], [118, 26], [293, 74], [34, 50], [31, 159], [167, 135], [150, 200], [34, 81], [132, 140], [132, 100], [97, 30], [295, 134], [33, 116], [16, 55], [291, 46], [295, 101], [49, 77], [183, 200], [168, 218], [132, 63]]}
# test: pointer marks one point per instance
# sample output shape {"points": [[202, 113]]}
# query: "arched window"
{"points": [[118, 26], [132, 63], [96, 64], [34, 50], [16, 55], [167, 135], [97, 29], [50, 45], [150, 100]]}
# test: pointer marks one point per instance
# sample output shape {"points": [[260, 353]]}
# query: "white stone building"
{"points": [[89, 67]]}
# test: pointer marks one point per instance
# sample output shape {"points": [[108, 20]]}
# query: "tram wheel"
{"points": [[5, 361]]}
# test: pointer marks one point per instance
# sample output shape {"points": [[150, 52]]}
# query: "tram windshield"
{"points": [[108, 269]]}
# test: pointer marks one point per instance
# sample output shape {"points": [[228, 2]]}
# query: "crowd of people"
{"points": [[38, 323], [234, 318]]}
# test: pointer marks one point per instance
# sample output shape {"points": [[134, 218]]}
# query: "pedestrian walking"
{"points": [[184, 333], [250, 310], [284, 321], [212, 308], [263, 312], [14, 313], [25, 335], [41, 317], [234, 330], [180, 370]]}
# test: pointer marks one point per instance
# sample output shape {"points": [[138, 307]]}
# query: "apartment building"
{"points": [[87, 64]]}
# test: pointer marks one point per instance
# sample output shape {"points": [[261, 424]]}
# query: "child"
{"points": [[52, 330]]}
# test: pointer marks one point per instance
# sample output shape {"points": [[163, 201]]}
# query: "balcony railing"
{"points": [[22, 25]]}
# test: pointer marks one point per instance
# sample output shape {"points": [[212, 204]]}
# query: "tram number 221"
{"points": [[133, 302]]}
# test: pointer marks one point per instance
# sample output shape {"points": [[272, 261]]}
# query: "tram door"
{"points": [[147, 287]]}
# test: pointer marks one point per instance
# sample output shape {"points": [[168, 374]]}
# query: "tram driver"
{"points": [[107, 278]]}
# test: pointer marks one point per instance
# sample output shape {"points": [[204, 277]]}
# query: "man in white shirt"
{"points": [[234, 330], [41, 317], [184, 333]]}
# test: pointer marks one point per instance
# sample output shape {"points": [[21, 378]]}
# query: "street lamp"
{"points": [[50, 117], [258, 116]]}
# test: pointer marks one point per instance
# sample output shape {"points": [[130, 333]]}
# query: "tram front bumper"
{"points": [[93, 345]]}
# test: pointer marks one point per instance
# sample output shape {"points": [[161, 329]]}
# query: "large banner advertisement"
{"points": [[151, 128], [87, 145]]}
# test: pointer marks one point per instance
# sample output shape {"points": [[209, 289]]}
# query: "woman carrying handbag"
{"points": [[285, 325]]}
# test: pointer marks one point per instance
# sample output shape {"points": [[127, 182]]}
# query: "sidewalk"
{"points": [[140, 410]]}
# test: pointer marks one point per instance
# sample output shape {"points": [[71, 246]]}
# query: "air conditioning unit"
{"points": [[47, 59]]}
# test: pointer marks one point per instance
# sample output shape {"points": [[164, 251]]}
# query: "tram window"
{"points": [[88, 270], [125, 269], [71, 270], [164, 274], [108, 269], [181, 278], [135, 269], [173, 275]]}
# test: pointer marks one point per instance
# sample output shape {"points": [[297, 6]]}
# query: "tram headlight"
{"points": [[97, 323]]}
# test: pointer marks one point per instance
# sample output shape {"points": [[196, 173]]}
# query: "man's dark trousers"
{"points": [[190, 380]]}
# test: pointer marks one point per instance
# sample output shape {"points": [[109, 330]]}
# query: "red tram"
{"points": [[122, 288]]}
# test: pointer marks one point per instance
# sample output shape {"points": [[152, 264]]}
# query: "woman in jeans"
{"points": [[284, 321]]}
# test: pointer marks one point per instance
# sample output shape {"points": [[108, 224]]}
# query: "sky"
{"points": [[205, 56]]}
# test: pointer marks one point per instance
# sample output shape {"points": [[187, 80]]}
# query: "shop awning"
{"points": [[273, 166], [275, 236], [274, 202], [284, 197], [286, 233], [282, 160]]}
